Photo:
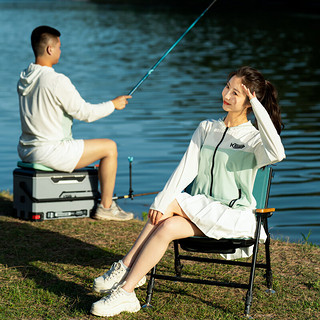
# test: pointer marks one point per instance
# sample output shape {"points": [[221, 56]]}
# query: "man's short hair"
{"points": [[40, 37]]}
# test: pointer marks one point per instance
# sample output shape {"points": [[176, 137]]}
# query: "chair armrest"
{"points": [[267, 211]]}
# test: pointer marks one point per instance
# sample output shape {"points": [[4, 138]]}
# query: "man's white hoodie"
{"points": [[48, 104]]}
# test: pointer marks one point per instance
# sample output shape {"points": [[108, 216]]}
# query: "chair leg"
{"points": [[269, 277], [177, 261], [150, 288], [253, 269], [248, 303]]}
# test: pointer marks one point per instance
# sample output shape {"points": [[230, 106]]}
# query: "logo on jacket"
{"points": [[237, 146]]}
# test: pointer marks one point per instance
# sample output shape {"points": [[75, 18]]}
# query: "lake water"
{"points": [[107, 49]]}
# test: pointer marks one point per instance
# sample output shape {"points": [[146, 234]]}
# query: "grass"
{"points": [[47, 268]]}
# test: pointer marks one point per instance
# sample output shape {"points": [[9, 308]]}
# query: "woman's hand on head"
{"points": [[154, 216], [248, 92]]}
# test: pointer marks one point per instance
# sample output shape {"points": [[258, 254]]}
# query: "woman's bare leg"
{"points": [[130, 257], [147, 231], [104, 150], [155, 245]]}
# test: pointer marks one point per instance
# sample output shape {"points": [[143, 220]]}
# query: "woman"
{"points": [[222, 161]]}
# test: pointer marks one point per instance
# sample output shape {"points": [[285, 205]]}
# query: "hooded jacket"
{"points": [[222, 162], [48, 104]]}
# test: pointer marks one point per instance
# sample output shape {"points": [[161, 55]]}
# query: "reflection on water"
{"points": [[105, 52]]}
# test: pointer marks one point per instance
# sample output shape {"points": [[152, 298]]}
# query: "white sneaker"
{"points": [[114, 278], [113, 213], [118, 301]]}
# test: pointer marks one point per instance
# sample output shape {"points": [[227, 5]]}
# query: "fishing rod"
{"points": [[169, 50], [131, 196]]}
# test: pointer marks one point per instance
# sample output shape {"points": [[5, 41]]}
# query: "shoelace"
{"points": [[115, 293], [114, 271]]}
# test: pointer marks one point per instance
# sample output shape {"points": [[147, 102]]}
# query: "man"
{"points": [[48, 103]]}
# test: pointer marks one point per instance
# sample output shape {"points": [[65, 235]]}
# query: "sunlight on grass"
{"points": [[47, 269]]}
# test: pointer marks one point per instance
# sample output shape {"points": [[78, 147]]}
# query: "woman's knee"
{"points": [[168, 228], [176, 227]]}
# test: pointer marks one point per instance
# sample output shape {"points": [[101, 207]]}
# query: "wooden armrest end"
{"points": [[265, 210]]}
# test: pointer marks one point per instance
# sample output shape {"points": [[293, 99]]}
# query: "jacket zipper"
{"points": [[214, 154]]}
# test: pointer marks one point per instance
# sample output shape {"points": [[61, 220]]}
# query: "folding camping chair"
{"points": [[226, 246]]}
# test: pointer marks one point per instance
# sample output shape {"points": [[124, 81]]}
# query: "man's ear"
{"points": [[49, 50]]}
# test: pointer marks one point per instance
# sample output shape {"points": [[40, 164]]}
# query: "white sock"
{"points": [[105, 207], [123, 265]]}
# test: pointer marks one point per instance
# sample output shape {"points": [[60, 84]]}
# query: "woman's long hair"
{"points": [[265, 91]]}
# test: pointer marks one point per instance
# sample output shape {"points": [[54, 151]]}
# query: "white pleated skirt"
{"points": [[218, 221]]}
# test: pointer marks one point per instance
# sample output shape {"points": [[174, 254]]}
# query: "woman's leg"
{"points": [[176, 227], [147, 231], [104, 150], [130, 257]]}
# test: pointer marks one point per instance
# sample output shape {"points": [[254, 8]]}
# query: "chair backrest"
{"points": [[261, 187]]}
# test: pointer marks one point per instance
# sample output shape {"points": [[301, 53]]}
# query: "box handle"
{"points": [[61, 179]]}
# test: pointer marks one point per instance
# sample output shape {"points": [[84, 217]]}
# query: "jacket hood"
{"points": [[28, 78]]}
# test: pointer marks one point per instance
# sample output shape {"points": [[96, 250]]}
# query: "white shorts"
{"points": [[62, 156]]}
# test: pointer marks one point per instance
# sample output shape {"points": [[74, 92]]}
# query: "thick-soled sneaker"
{"points": [[118, 301], [112, 213], [113, 278]]}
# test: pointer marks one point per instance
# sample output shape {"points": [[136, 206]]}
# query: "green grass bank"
{"points": [[47, 269]]}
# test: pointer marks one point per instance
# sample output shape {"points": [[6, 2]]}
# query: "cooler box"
{"points": [[42, 195]]}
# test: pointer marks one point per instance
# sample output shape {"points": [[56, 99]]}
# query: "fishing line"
{"points": [[169, 50]]}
